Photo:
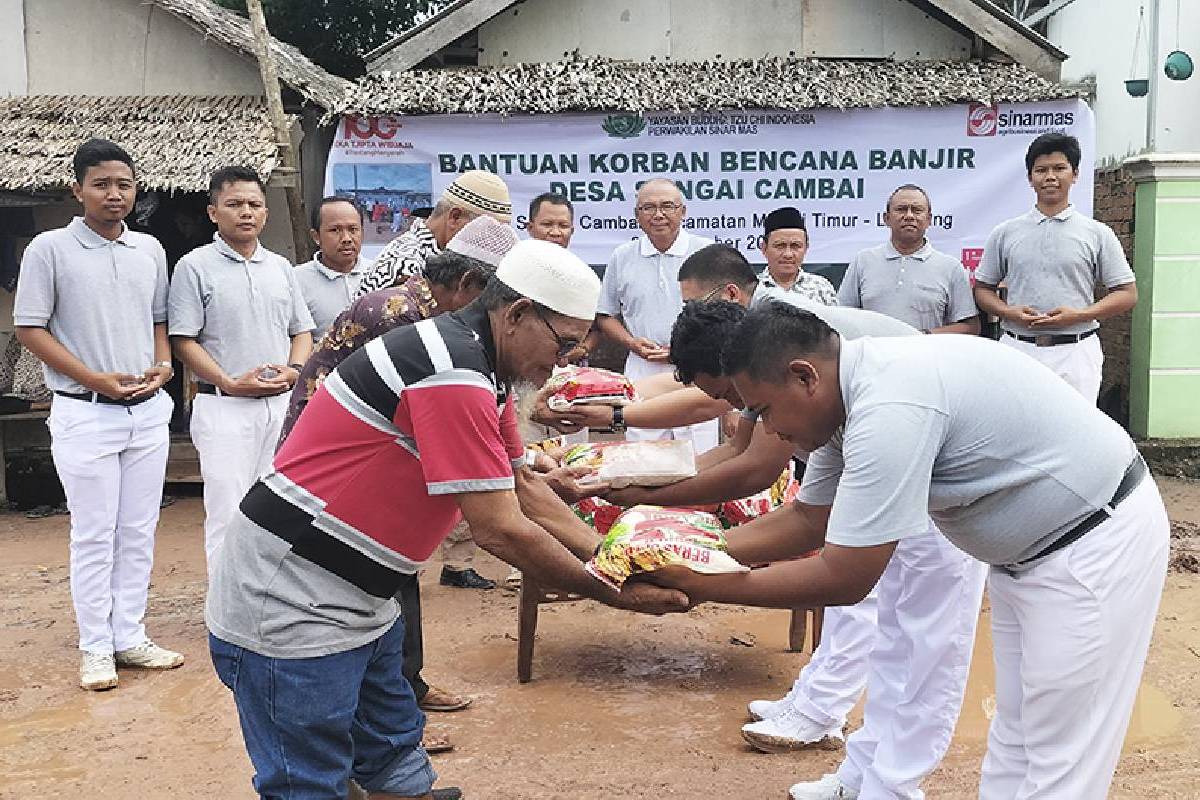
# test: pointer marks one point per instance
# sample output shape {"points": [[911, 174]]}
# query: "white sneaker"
{"points": [[766, 709], [148, 655], [97, 671], [790, 731], [828, 788]]}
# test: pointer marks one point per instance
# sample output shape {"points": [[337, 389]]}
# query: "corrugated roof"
{"points": [[233, 31], [597, 84], [176, 142]]}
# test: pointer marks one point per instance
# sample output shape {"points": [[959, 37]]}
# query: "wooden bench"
{"points": [[534, 594], [4, 420]]}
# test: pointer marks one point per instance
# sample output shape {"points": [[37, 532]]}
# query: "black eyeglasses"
{"points": [[712, 294], [565, 343]]}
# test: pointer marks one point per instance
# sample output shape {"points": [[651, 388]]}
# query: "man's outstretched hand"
{"points": [[647, 598]]}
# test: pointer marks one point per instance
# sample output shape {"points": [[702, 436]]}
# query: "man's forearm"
{"points": [[969, 327], [687, 406], [301, 348], [1118, 300], [51, 352], [197, 359], [789, 531], [808, 583], [988, 300], [162, 344], [613, 329], [540, 504]]}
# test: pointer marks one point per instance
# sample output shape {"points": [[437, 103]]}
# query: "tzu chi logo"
{"points": [[982, 120]]}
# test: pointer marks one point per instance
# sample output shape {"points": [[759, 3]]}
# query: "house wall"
{"points": [[697, 30], [1115, 193], [1121, 119], [119, 47], [13, 78]]}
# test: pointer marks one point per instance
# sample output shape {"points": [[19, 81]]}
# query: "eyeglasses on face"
{"points": [[651, 209], [565, 343]]}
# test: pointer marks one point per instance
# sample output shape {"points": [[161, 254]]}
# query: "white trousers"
{"points": [[1080, 364], [929, 598], [703, 435], [1071, 636], [111, 461], [831, 682], [235, 438]]}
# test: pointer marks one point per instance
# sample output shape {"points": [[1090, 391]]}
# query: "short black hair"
{"points": [[232, 174], [771, 335], [497, 295], [553, 199], [717, 265], [97, 151], [699, 335], [1049, 143], [447, 268], [315, 215], [907, 187]]}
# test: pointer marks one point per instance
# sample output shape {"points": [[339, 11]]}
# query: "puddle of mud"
{"points": [[1154, 717]]}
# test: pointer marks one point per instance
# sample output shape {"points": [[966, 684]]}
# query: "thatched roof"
{"points": [[597, 84], [175, 141], [233, 31]]}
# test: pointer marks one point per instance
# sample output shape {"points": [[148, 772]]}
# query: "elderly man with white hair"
{"points": [[641, 286], [407, 433]]}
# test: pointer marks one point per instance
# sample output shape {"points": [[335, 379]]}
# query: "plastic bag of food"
{"points": [[621, 464], [647, 538], [578, 385], [738, 512]]}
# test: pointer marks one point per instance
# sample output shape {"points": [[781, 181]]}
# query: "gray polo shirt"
{"points": [[243, 312], [328, 292], [1053, 261], [979, 436], [642, 285], [99, 299], [926, 289]]}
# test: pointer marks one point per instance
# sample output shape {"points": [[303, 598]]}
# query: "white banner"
{"points": [[837, 167]]}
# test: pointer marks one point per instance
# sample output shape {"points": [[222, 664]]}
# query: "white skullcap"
{"points": [[485, 239], [553, 276], [482, 192]]}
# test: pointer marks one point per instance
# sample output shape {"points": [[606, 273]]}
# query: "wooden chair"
{"points": [[534, 594]]}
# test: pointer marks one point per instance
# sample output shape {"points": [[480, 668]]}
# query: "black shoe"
{"points": [[465, 579], [450, 792]]}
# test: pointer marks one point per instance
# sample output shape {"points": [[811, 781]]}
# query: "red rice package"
{"points": [[738, 512], [648, 538], [579, 385]]}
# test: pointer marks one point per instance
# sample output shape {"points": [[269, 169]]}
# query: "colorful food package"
{"points": [[738, 512], [622, 464], [578, 385], [647, 538]]}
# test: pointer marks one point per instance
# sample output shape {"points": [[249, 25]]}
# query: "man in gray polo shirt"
{"points": [[92, 305], [641, 286], [330, 281], [906, 278], [1017, 469], [1052, 258], [239, 322]]}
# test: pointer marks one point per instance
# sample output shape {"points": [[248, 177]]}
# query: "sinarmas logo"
{"points": [[624, 126], [982, 119]]}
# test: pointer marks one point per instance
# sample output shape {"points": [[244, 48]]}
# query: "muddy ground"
{"points": [[620, 706]]}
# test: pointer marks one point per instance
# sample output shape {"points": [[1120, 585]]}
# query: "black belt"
{"points": [[208, 388], [1051, 339], [96, 397], [1133, 476]]}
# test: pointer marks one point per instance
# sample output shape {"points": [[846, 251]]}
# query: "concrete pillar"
{"points": [[1164, 381]]}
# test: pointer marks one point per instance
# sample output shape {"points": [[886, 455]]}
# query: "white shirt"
{"points": [[641, 285], [1003, 454]]}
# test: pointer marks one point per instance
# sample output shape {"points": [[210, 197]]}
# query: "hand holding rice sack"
{"points": [[648, 538]]}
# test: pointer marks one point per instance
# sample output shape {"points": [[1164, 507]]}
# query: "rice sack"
{"points": [[621, 464], [580, 385], [648, 538]]}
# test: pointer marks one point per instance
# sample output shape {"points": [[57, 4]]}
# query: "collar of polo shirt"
{"points": [[92, 240], [359, 268], [677, 248], [1062, 216], [224, 249], [923, 252]]}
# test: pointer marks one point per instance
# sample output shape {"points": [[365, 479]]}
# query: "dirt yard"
{"points": [[620, 706]]}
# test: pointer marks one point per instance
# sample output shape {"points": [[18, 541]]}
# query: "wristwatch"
{"points": [[166, 364], [618, 419], [297, 367]]}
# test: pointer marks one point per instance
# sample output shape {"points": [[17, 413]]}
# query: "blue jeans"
{"points": [[311, 724]]}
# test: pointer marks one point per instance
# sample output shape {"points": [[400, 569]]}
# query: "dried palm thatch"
{"points": [[175, 141], [596, 84], [233, 31]]}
